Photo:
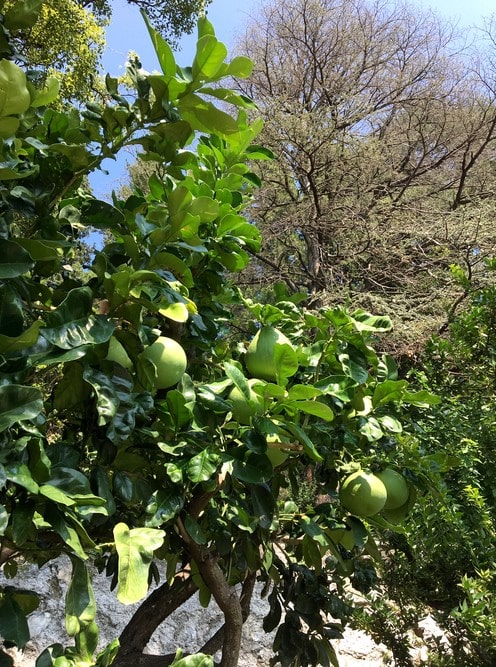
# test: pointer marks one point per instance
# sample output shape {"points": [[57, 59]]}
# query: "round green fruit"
{"points": [[243, 411], [259, 357], [397, 515], [396, 487], [169, 359], [363, 494]]}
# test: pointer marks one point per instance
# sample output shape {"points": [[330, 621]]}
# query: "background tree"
{"points": [[172, 18], [383, 130], [64, 41]]}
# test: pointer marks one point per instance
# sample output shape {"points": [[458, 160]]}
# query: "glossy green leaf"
{"points": [[390, 423], [13, 624], [389, 391], [264, 505], [177, 312], [64, 525], [47, 94], [194, 530], [162, 49], [299, 392], [92, 330], [240, 67], [353, 369], [26, 339], [203, 466], [253, 469], [135, 549], [238, 379], [20, 474], [43, 249], [371, 429], [14, 260], [308, 445], [198, 660], [286, 362], [421, 399], [364, 321], [18, 403], [163, 506], [315, 408], [207, 118], [14, 94], [80, 605], [179, 408], [210, 55]]}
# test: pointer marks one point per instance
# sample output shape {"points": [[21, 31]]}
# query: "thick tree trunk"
{"points": [[151, 613]]}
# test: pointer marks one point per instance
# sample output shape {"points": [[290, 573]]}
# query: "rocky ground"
{"points": [[184, 629]]}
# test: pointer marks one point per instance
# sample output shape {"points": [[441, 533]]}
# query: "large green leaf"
{"points": [[94, 330], [253, 469], [389, 391], [210, 55], [162, 49], [14, 94], [286, 362], [13, 624], [26, 339], [117, 405], [42, 249], [198, 660], [14, 260], [364, 321], [18, 403], [11, 312], [264, 504], [203, 466], [135, 549], [80, 605]]}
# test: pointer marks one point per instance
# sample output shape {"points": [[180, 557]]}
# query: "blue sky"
{"points": [[128, 32]]}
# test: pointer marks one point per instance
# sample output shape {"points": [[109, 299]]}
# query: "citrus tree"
{"points": [[149, 411]]}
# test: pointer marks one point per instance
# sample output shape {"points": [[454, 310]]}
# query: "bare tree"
{"points": [[383, 132]]}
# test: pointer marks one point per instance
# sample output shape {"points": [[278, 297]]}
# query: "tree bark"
{"points": [[151, 613]]}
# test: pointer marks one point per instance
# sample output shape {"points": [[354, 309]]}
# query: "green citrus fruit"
{"points": [[397, 515], [169, 359], [243, 411], [363, 494], [396, 487], [259, 357]]}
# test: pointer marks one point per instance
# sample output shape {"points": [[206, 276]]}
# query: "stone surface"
{"points": [[185, 629]]}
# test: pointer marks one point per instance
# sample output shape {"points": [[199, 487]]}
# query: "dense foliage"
{"points": [[58, 39], [98, 462]]}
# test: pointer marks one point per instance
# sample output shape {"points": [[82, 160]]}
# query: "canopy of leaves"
{"points": [[65, 41]]}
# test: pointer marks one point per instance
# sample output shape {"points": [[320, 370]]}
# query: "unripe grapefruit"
{"points": [[243, 411], [396, 487], [259, 357], [170, 360], [363, 494]]}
